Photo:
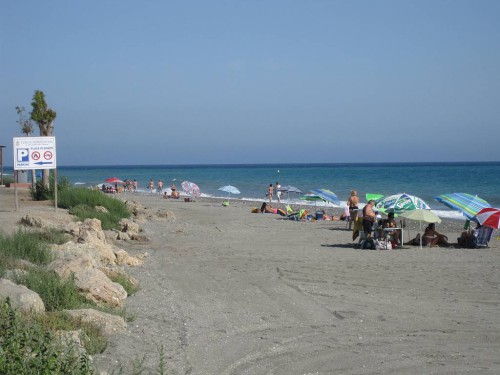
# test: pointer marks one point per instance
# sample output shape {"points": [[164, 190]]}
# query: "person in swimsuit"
{"points": [[433, 238], [352, 203], [270, 193], [369, 217], [390, 222]]}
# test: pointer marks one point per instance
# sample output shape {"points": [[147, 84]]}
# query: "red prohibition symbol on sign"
{"points": [[47, 155], [35, 155]]}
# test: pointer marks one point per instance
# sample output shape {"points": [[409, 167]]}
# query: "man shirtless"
{"points": [[369, 217]]}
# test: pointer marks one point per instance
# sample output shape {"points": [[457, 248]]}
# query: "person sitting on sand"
{"points": [[390, 222], [433, 238], [468, 238]]}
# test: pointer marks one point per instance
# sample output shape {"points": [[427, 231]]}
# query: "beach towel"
{"points": [[358, 225]]}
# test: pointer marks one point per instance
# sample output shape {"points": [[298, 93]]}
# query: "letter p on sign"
{"points": [[23, 154]]}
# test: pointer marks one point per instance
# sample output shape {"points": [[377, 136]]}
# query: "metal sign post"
{"points": [[36, 153]]}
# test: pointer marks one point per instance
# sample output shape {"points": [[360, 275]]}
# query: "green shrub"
{"points": [[83, 202], [27, 348], [93, 339], [52, 236], [55, 292], [8, 180], [25, 245], [40, 192]]}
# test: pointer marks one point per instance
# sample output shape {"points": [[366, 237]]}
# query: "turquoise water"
{"points": [[425, 180]]}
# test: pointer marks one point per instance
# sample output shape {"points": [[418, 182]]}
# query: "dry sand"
{"points": [[225, 291]]}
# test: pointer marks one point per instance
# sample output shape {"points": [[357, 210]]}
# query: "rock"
{"points": [[123, 258], [166, 214], [101, 209], [71, 339], [65, 267], [32, 221], [21, 297], [99, 288], [101, 252], [90, 281], [90, 231], [114, 272], [129, 227], [107, 323]]}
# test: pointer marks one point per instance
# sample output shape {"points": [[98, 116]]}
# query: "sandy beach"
{"points": [[227, 291]]}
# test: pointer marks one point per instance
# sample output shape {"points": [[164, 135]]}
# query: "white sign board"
{"points": [[34, 153]]}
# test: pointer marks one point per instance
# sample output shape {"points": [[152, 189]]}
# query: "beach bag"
{"points": [[383, 245]]}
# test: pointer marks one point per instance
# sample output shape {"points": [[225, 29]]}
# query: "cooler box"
{"points": [[319, 215]]}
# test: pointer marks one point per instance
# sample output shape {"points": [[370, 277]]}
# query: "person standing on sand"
{"points": [[278, 192], [353, 207], [270, 193], [134, 186], [369, 217], [151, 185]]}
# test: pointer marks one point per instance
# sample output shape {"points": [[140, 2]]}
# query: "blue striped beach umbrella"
{"points": [[327, 195], [469, 205]]}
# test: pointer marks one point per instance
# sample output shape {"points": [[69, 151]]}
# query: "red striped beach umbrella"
{"points": [[489, 217]]}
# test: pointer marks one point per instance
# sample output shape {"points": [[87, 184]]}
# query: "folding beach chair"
{"points": [[483, 237]]}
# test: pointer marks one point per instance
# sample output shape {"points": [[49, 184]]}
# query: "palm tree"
{"points": [[44, 117]]}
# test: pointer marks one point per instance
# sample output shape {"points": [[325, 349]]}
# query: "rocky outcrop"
{"points": [[21, 297], [90, 281], [107, 323], [90, 231], [102, 253]]}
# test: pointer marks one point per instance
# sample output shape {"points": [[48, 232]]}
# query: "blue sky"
{"points": [[194, 82]]}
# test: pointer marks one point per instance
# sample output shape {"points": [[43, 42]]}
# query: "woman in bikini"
{"points": [[352, 203], [433, 238]]}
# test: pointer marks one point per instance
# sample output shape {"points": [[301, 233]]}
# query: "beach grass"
{"points": [[26, 246], [55, 292], [84, 204]]}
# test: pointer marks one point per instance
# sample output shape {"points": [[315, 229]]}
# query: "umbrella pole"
{"points": [[420, 227]]}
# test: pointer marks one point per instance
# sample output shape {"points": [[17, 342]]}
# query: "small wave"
{"points": [[80, 183]]}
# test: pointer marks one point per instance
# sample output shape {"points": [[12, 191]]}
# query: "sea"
{"points": [[425, 180]]}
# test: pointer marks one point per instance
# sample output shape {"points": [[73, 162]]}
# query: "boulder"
{"points": [[103, 253], [98, 288], [114, 272], [21, 297], [65, 267], [123, 258], [90, 231], [129, 227], [107, 323], [90, 281]]}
